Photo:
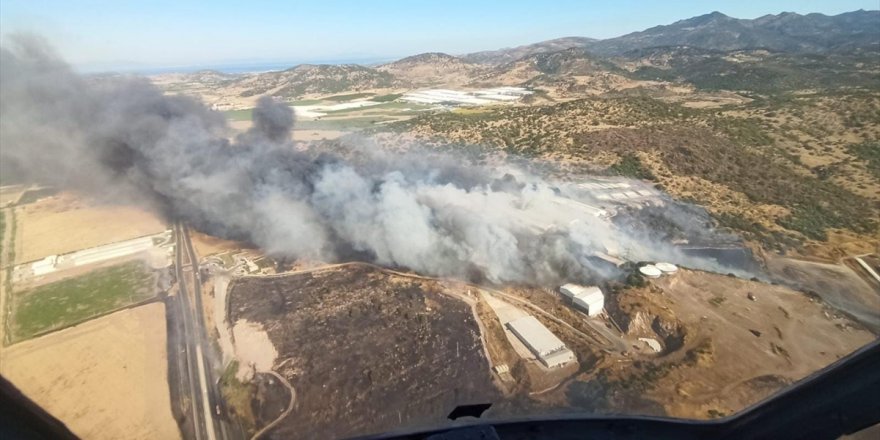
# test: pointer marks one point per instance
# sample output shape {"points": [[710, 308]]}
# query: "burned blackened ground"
{"points": [[366, 352]]}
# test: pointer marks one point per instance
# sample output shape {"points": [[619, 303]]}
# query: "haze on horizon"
{"points": [[101, 35]]}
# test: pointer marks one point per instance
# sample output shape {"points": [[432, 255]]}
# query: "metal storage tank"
{"points": [[650, 271]]}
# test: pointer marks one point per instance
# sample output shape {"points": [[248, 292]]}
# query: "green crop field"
{"points": [[342, 124], [73, 300], [386, 98], [348, 97], [2, 229], [239, 115], [389, 108], [305, 102], [36, 194]]}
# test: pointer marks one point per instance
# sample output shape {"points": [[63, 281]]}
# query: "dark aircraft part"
{"points": [[481, 432], [469, 411], [21, 418], [843, 398]]}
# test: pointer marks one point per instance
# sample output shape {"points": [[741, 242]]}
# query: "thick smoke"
{"points": [[122, 139]]}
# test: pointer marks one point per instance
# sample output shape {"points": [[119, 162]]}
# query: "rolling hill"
{"points": [[310, 78], [507, 55], [773, 53], [433, 68]]}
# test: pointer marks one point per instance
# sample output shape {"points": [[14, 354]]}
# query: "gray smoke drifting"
{"points": [[123, 140]]}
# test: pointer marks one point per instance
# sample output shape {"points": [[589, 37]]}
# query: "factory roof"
{"points": [[583, 292], [540, 340]]}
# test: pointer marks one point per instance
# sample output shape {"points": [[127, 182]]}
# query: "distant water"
{"points": [[233, 68]]}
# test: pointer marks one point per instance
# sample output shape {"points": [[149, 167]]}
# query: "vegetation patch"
{"points": [[870, 153], [814, 219], [630, 166], [238, 396], [71, 301], [33, 195], [348, 97], [342, 124], [239, 115], [303, 102], [751, 230], [386, 98]]}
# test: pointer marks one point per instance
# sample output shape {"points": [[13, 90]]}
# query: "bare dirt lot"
{"points": [[67, 223], [365, 351], [106, 378], [722, 350], [837, 284], [209, 245]]}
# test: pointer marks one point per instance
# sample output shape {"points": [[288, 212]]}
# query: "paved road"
{"points": [[203, 389]]}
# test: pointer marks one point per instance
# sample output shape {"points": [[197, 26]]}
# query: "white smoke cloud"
{"points": [[122, 139]]}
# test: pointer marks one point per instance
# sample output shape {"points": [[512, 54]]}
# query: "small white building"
{"points": [[589, 298], [551, 351], [44, 266]]}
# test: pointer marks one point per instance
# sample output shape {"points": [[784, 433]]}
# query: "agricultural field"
{"points": [[67, 222], [348, 97], [105, 378], [239, 115], [331, 116], [73, 300], [33, 195], [10, 194]]}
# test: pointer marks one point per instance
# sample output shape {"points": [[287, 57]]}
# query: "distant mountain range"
{"points": [[785, 32], [783, 51]]}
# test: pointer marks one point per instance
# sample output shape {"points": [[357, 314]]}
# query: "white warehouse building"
{"points": [[589, 298], [544, 344]]}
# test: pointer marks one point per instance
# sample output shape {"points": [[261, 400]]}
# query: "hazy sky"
{"points": [[181, 32]]}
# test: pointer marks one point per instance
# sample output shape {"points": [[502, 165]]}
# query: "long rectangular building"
{"points": [[551, 351]]}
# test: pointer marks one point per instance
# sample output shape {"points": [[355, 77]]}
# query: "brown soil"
{"points": [[836, 284], [733, 351], [206, 245], [105, 379], [67, 223]]}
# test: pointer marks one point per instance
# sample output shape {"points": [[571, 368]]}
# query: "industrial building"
{"points": [[544, 344], [589, 298], [93, 255]]}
